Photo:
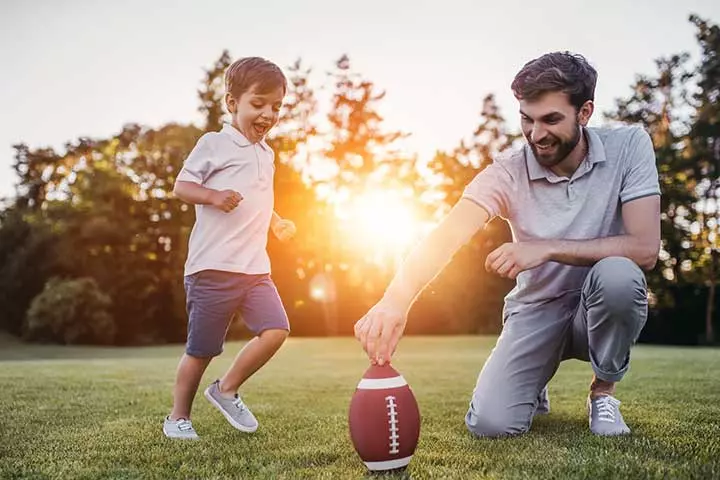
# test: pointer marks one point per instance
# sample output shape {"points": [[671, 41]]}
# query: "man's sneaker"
{"points": [[234, 410], [181, 428], [543, 407], [605, 416]]}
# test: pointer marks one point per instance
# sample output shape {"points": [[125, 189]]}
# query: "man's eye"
{"points": [[256, 105]]}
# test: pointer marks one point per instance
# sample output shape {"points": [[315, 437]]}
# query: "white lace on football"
{"points": [[607, 408], [184, 425]]}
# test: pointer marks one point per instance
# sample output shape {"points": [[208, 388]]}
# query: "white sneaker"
{"points": [[605, 417], [181, 428], [234, 409]]}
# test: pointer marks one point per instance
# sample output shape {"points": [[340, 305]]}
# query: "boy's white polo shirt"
{"points": [[234, 241]]}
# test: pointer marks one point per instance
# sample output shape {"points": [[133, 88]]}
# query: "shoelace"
{"points": [[607, 406], [239, 404], [184, 425]]}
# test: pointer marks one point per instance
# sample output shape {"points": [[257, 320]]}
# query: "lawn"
{"points": [[81, 412]]}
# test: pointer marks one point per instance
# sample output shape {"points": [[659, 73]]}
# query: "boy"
{"points": [[229, 178]]}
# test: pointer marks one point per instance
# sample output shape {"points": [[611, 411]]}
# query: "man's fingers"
{"points": [[364, 332], [373, 337], [384, 347]]}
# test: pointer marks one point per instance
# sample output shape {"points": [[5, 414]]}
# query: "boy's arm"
{"points": [[196, 194], [379, 331], [275, 219]]}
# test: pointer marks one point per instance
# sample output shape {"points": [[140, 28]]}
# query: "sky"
{"points": [[86, 68]]}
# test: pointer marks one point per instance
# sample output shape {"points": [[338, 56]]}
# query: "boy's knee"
{"points": [[275, 335]]}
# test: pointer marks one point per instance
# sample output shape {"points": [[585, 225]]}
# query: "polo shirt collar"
{"points": [[239, 139], [596, 154]]}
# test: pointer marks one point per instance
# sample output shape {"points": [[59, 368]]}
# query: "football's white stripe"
{"points": [[388, 464], [381, 383]]}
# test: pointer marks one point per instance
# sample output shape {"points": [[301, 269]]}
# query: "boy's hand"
{"points": [[284, 229], [225, 200]]}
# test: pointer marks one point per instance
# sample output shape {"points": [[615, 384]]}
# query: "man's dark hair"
{"points": [[556, 72]]}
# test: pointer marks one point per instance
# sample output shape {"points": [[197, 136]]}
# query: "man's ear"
{"points": [[586, 112]]}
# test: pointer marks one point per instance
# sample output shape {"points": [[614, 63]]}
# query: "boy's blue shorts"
{"points": [[214, 296]]}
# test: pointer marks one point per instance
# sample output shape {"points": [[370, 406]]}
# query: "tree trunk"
{"points": [[709, 310]]}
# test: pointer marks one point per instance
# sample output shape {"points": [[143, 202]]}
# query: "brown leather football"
{"points": [[384, 419]]}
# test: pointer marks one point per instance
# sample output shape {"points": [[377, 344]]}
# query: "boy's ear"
{"points": [[230, 103]]}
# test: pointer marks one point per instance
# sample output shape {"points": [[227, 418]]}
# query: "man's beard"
{"points": [[561, 151]]}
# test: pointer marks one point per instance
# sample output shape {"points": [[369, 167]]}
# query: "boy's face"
{"points": [[551, 126], [254, 114]]}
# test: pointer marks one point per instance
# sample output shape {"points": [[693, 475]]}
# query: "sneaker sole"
{"points": [[227, 416], [174, 437]]}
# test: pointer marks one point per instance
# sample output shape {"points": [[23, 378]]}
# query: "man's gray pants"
{"points": [[598, 324]]}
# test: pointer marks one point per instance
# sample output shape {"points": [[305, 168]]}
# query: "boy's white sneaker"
{"points": [[181, 428], [233, 409]]}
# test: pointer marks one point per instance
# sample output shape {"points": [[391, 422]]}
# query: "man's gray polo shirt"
{"points": [[539, 205]]}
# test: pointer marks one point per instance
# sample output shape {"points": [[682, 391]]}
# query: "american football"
{"points": [[384, 419]]}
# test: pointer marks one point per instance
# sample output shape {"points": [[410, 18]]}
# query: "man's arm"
{"points": [[640, 243], [379, 331], [429, 257]]}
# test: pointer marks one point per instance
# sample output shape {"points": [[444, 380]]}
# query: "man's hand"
{"points": [[225, 200], [379, 331], [509, 259], [284, 229]]}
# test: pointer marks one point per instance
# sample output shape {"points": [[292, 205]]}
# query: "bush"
{"points": [[70, 311]]}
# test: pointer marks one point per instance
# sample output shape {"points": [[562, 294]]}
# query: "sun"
{"points": [[380, 224]]}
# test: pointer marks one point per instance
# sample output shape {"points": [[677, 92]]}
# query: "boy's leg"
{"points": [[263, 314], [212, 298], [525, 358], [189, 373], [254, 355]]}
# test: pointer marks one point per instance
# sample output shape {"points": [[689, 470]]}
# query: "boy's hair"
{"points": [[556, 72], [247, 72]]}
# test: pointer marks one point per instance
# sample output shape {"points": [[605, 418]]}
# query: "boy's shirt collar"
{"points": [[239, 139]]}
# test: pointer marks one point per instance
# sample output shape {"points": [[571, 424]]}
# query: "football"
{"points": [[384, 419]]}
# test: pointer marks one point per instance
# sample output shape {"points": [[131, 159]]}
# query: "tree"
{"points": [[703, 145], [476, 295], [684, 127]]}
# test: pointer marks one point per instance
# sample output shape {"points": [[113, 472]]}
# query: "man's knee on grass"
{"points": [[495, 423]]}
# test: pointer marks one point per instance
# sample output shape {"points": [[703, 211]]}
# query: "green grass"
{"points": [[97, 413]]}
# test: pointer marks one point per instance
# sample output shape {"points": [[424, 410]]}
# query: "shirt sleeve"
{"points": [[490, 189], [640, 176], [198, 164]]}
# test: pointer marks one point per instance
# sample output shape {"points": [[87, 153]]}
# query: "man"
{"points": [[584, 207]]}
